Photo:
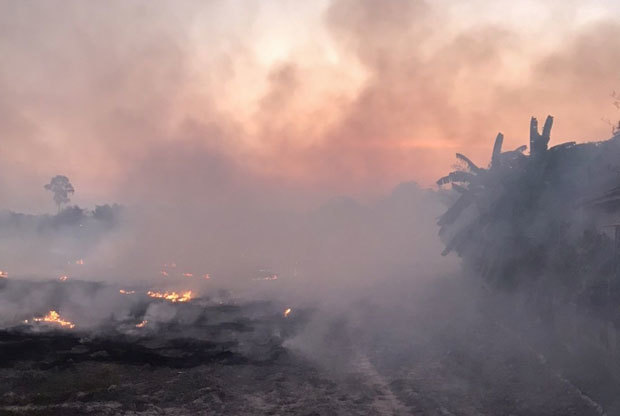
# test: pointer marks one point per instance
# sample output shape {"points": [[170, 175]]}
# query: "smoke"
{"points": [[229, 144], [343, 243], [273, 151], [213, 134], [370, 97]]}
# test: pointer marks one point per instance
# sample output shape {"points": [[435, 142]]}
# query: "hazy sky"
{"points": [[148, 100]]}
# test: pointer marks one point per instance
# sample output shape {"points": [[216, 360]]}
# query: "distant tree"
{"points": [[61, 188], [107, 213]]}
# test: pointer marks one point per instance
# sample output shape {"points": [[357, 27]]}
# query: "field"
{"points": [[246, 358]]}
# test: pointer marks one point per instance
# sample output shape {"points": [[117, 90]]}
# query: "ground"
{"points": [[380, 360]]}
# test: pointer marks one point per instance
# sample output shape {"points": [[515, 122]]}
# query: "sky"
{"points": [[142, 101]]}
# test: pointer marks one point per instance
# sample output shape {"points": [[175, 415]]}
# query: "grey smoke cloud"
{"points": [[97, 90], [115, 97]]}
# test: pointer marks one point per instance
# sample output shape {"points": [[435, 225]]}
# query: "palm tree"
{"points": [[504, 195], [472, 181]]}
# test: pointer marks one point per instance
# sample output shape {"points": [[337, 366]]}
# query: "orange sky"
{"points": [[135, 100]]}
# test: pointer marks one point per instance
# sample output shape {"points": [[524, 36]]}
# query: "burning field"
{"points": [[355, 313], [254, 208], [170, 352], [157, 355]]}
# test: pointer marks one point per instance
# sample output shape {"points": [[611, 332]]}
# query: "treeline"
{"points": [[103, 216]]}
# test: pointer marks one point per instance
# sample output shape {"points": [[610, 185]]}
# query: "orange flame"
{"points": [[3, 274], [63, 278], [207, 276], [80, 262], [171, 296], [287, 312], [142, 324], [54, 318], [126, 292]]}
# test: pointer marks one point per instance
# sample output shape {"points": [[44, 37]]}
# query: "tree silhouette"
{"points": [[61, 188], [496, 205]]}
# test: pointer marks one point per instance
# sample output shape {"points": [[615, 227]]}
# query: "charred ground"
{"points": [[400, 357]]}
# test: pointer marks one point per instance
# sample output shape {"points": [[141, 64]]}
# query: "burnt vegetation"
{"points": [[544, 226], [545, 219], [541, 233]]}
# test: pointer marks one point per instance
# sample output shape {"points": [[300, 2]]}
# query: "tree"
{"points": [[61, 188], [473, 181], [496, 218]]}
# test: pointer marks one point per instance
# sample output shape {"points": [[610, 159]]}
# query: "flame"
{"points": [[80, 262], [188, 274], [54, 317], [287, 312], [207, 276], [171, 296], [126, 292], [3, 274], [142, 324], [63, 278], [164, 273]]}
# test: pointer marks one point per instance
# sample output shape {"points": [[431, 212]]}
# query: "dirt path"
{"points": [[385, 401]]}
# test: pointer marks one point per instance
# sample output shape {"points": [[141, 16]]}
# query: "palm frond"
{"points": [[456, 176], [470, 165], [456, 209]]}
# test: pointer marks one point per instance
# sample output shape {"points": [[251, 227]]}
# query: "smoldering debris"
{"points": [[139, 328], [373, 356]]}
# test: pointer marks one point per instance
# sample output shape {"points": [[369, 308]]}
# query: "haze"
{"points": [[142, 102]]}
